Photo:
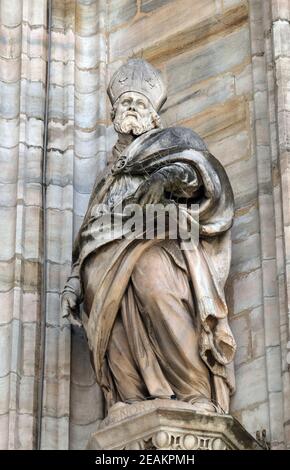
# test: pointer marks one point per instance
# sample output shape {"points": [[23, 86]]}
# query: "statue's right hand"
{"points": [[70, 306]]}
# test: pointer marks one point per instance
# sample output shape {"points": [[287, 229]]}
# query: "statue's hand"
{"points": [[70, 307], [151, 191]]}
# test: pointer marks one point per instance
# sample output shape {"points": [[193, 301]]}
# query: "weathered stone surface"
{"points": [[150, 5], [208, 102], [188, 69], [252, 377], [168, 425], [121, 11]]}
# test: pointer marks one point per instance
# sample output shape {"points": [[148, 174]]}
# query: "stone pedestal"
{"points": [[169, 425]]}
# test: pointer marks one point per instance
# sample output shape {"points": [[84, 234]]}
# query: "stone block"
{"points": [[87, 17], [28, 341], [242, 334], [32, 157], [251, 385], [26, 395], [34, 12], [53, 310], [243, 178], [62, 45], [197, 99], [232, 3], [86, 170], [156, 34], [246, 222], [63, 14], [59, 197], [60, 135], [33, 194], [31, 306], [11, 12], [82, 373], [4, 393], [81, 203], [4, 424], [7, 232], [82, 395], [10, 100], [31, 242], [273, 357], [276, 415], [59, 246], [10, 44], [230, 149], [55, 433], [57, 275], [121, 11], [79, 435], [60, 167], [249, 282], [256, 318], [10, 69], [90, 51], [89, 109], [281, 38], [89, 80], [33, 99], [8, 194], [61, 102], [9, 133], [219, 119], [256, 418], [56, 392], [31, 131], [57, 363], [62, 73], [88, 144], [150, 5], [207, 62], [9, 165]]}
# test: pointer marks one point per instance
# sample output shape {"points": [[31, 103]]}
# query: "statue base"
{"points": [[169, 425]]}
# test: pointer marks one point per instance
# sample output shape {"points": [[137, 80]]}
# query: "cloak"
{"points": [[208, 262]]}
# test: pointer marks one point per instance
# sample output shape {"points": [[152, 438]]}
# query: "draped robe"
{"points": [[112, 271]]}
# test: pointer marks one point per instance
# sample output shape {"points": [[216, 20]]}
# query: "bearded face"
{"points": [[134, 114]]}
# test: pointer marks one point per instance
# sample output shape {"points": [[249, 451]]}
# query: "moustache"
{"points": [[131, 114]]}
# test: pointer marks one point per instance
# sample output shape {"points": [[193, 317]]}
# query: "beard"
{"points": [[127, 124]]}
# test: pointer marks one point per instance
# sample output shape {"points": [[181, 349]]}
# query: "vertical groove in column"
{"points": [[59, 227], [89, 161], [42, 325]]}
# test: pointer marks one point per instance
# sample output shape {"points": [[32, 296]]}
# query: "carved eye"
{"points": [[141, 104], [126, 103]]}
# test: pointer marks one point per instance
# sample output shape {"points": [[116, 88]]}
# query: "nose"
{"points": [[132, 107]]}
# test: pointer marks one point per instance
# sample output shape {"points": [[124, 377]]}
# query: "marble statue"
{"points": [[155, 314]]}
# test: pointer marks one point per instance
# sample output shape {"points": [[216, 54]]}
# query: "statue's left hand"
{"points": [[151, 191]]}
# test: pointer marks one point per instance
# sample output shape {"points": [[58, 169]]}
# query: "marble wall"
{"points": [[227, 63]]}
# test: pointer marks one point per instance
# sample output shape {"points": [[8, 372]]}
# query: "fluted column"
{"points": [[22, 89], [89, 161], [58, 212]]}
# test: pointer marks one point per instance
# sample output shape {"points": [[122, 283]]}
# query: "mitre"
{"points": [[139, 76]]}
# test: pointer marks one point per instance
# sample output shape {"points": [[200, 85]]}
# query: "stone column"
{"points": [[22, 92], [58, 212], [279, 41], [89, 159]]}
